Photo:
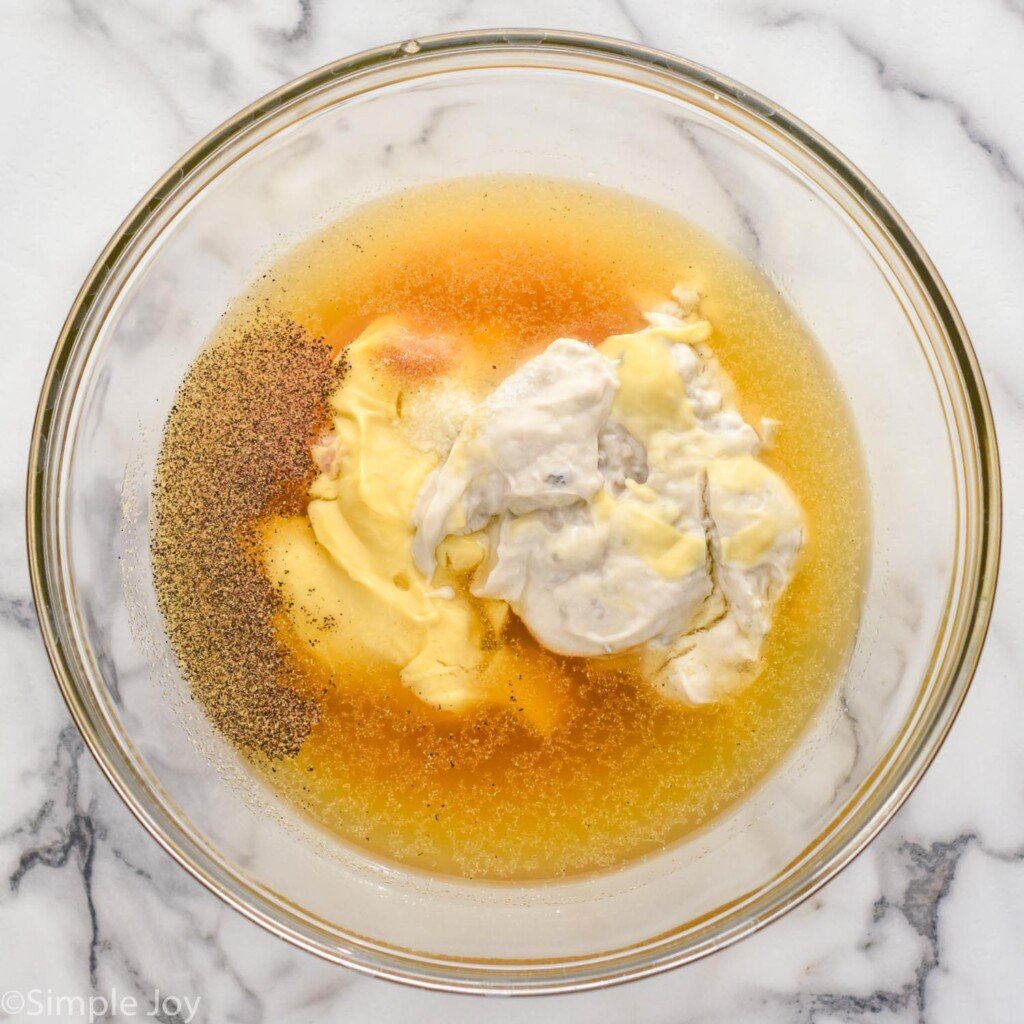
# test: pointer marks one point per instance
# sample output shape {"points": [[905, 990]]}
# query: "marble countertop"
{"points": [[100, 97]]}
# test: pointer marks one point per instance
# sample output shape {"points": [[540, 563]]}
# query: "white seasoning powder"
{"points": [[432, 416]]}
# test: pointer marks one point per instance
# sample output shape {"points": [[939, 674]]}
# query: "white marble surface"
{"points": [[100, 96]]}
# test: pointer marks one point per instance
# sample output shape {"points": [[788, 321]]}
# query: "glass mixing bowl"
{"points": [[573, 107]]}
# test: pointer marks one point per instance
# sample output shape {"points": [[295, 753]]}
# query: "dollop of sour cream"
{"points": [[620, 499]]}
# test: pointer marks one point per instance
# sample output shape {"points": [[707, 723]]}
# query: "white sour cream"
{"points": [[622, 503]]}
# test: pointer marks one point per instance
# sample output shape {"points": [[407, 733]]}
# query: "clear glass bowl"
{"points": [[580, 108]]}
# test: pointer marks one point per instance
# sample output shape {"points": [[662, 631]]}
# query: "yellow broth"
{"points": [[512, 263]]}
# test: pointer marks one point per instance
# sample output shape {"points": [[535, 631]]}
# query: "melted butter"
{"points": [[651, 396], [460, 554], [670, 552], [351, 593], [612, 771], [756, 538], [348, 583]]}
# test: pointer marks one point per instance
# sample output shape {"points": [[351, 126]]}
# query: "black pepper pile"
{"points": [[236, 448]]}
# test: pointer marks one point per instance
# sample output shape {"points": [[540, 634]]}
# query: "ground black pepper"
{"points": [[235, 448]]}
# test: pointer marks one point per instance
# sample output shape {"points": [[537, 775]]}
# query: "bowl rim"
{"points": [[784, 892]]}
